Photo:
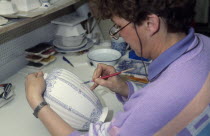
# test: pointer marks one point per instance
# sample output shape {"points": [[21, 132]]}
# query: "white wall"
{"points": [[12, 55], [105, 25]]}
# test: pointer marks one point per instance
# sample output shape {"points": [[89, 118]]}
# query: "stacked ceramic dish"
{"points": [[40, 55], [71, 39]]}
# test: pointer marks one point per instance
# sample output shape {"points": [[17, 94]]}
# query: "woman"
{"points": [[158, 30]]}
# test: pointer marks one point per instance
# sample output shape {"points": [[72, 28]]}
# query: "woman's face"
{"points": [[130, 36]]}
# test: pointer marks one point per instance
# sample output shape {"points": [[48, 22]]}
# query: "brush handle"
{"points": [[104, 77], [111, 75], [117, 73]]}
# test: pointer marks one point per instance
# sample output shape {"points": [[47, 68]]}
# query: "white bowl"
{"points": [[106, 56], [73, 101], [7, 8], [67, 31]]}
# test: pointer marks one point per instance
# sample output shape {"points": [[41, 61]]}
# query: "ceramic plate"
{"points": [[58, 44], [87, 46]]}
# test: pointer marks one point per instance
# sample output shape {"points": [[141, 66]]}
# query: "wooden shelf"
{"points": [[27, 25]]}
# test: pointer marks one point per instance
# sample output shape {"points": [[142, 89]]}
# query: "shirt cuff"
{"points": [[130, 92], [75, 133]]}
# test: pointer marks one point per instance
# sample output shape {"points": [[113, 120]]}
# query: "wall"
{"points": [[12, 57], [105, 25]]}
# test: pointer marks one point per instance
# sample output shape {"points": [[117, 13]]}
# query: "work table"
{"points": [[16, 117]]}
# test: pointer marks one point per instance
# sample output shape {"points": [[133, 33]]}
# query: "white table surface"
{"points": [[16, 117]]}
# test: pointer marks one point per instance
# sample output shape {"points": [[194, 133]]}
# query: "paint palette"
{"points": [[40, 55]]}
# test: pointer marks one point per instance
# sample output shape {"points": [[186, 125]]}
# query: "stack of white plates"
{"points": [[60, 47], [59, 43], [71, 39]]}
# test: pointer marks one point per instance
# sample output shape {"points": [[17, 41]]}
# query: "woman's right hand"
{"points": [[115, 83]]}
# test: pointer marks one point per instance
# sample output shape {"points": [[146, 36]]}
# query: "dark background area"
{"points": [[202, 27]]}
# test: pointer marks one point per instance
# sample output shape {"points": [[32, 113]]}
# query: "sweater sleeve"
{"points": [[103, 129], [131, 89]]}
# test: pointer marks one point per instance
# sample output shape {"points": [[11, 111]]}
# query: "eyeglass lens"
{"points": [[114, 32]]}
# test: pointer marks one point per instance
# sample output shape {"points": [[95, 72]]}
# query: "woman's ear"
{"points": [[152, 24]]}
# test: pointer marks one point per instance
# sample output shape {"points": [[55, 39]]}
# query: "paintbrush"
{"points": [[111, 75]]}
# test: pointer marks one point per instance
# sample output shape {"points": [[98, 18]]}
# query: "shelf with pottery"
{"points": [[35, 19], [17, 110]]}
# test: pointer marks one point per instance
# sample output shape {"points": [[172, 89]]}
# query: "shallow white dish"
{"points": [[73, 101], [86, 47], [7, 7], [59, 44], [69, 45], [106, 56], [67, 31]]}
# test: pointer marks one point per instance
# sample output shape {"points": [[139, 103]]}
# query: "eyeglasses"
{"points": [[115, 29]]}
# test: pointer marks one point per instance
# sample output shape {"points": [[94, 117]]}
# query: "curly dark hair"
{"points": [[178, 14]]}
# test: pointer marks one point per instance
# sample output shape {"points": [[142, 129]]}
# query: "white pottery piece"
{"points": [[71, 41], [73, 101], [67, 31], [53, 1], [26, 5], [3, 21], [7, 7]]}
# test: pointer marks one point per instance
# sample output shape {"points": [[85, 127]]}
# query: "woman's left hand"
{"points": [[35, 87]]}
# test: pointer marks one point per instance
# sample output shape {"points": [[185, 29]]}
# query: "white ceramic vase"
{"points": [[73, 101]]}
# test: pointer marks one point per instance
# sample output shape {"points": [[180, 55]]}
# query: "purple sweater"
{"points": [[176, 76]]}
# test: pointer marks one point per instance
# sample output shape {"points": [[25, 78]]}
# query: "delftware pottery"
{"points": [[73, 101], [119, 45]]}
